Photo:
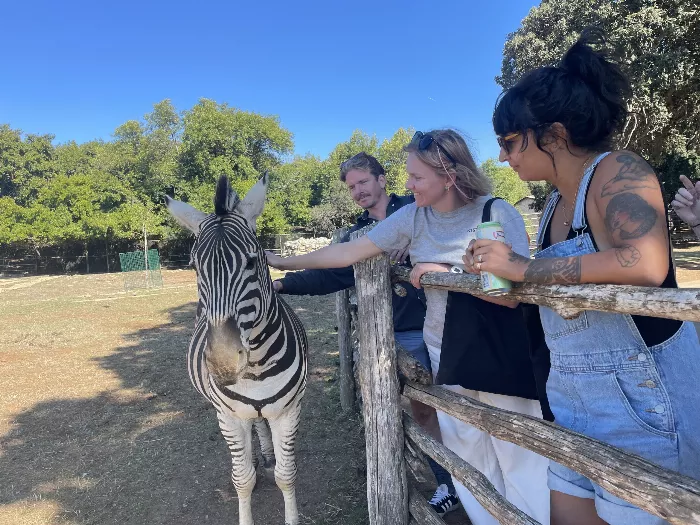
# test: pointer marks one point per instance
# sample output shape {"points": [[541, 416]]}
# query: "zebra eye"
{"points": [[252, 258]]}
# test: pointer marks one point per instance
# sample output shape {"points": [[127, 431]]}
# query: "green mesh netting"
{"points": [[135, 273]]}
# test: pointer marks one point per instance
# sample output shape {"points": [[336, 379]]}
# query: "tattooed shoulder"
{"points": [[633, 173], [629, 216]]}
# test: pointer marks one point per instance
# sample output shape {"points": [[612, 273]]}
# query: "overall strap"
{"points": [[549, 207], [579, 220]]}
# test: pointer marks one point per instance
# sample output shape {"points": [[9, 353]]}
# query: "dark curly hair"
{"points": [[586, 93]]}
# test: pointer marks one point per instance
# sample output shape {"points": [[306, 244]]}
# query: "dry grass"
{"points": [[99, 423]]}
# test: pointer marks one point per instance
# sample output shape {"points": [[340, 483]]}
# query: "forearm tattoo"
{"points": [[560, 270]]}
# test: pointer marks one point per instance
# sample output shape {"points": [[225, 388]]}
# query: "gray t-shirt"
{"points": [[443, 238]]}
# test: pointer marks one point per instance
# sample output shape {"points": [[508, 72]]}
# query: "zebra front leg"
{"points": [[284, 433], [239, 437], [266, 446]]}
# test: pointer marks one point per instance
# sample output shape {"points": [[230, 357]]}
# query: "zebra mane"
{"points": [[226, 199]]}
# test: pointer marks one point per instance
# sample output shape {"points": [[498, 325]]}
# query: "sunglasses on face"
{"points": [[424, 140], [505, 142]]}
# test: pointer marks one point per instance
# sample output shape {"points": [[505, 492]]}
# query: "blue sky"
{"points": [[79, 69]]}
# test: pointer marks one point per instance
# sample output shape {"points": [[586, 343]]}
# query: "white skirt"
{"points": [[517, 473]]}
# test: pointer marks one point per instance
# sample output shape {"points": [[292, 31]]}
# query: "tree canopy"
{"points": [[72, 196], [657, 44]]}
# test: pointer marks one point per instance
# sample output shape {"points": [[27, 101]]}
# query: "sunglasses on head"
{"points": [[424, 140], [505, 141]]}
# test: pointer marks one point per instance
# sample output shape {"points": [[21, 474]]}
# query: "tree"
{"points": [[26, 162], [293, 183], [220, 140], [393, 158], [506, 183], [657, 45]]}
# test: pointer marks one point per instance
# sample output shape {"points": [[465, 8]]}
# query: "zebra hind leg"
{"points": [[239, 437], [265, 438], [284, 432]]}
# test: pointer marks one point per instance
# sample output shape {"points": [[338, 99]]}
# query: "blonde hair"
{"points": [[469, 180]]}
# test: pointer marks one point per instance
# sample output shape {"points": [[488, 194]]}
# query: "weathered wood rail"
{"points": [[394, 440]]}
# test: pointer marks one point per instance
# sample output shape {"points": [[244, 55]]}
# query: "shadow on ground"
{"points": [[151, 452], [688, 260]]}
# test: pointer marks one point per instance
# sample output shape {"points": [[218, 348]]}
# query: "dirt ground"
{"points": [[99, 423], [688, 266]]}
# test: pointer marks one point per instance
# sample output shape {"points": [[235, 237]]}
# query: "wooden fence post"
{"points": [[342, 311], [387, 489]]}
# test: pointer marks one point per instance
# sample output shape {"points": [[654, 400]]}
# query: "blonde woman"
{"points": [[477, 346]]}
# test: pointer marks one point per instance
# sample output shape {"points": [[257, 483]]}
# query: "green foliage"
{"points": [[540, 191], [25, 163], [294, 185], [506, 183], [658, 47], [393, 158], [108, 191]]}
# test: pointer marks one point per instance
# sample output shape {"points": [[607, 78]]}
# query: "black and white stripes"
{"points": [[248, 351]]}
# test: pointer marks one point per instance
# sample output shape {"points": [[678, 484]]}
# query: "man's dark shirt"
{"points": [[409, 311]]}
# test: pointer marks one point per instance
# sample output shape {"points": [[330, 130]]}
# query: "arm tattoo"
{"points": [[560, 270], [517, 258], [633, 175], [628, 216], [627, 255], [550, 271]]}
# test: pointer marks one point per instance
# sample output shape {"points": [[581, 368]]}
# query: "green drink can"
{"points": [[490, 283]]}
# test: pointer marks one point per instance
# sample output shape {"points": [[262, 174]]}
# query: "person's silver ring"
{"points": [[480, 258]]}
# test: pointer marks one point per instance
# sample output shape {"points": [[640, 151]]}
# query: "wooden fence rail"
{"points": [[393, 442]]}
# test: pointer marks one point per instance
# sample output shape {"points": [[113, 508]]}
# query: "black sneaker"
{"points": [[444, 502]]}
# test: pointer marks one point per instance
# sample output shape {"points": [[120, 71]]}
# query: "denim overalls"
{"points": [[607, 384]]}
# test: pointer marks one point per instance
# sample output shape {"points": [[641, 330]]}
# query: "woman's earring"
{"points": [[447, 188]]}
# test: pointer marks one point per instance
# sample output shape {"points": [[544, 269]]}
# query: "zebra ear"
{"points": [[254, 202], [188, 216]]}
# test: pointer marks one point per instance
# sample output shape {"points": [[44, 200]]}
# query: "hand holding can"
{"points": [[490, 283]]}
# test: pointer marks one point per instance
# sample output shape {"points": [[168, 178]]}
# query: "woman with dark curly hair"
{"points": [[630, 381]]}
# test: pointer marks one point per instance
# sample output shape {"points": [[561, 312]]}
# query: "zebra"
{"points": [[248, 353]]}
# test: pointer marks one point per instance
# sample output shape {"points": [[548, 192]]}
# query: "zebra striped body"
{"points": [[248, 352]]}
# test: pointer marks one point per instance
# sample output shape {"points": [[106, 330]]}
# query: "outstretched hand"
{"points": [[686, 203], [274, 260]]}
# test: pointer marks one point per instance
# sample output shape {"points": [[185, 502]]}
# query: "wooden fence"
{"points": [[395, 442]]}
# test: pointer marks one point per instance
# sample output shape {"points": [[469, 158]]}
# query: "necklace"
{"points": [[568, 216]]}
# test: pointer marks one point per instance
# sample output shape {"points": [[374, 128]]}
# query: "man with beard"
{"points": [[365, 179]]}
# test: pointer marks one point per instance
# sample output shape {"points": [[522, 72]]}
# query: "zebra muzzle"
{"points": [[225, 354]]}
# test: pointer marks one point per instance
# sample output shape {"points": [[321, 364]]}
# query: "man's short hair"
{"points": [[363, 162]]}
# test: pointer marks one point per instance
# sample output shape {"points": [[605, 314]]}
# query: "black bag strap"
{"points": [[486, 214]]}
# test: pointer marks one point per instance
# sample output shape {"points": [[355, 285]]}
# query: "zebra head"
{"points": [[233, 281]]}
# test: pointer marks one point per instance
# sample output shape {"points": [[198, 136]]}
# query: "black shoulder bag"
{"points": [[485, 346]]}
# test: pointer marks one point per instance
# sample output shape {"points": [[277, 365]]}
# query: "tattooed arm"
{"points": [[627, 217]]}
